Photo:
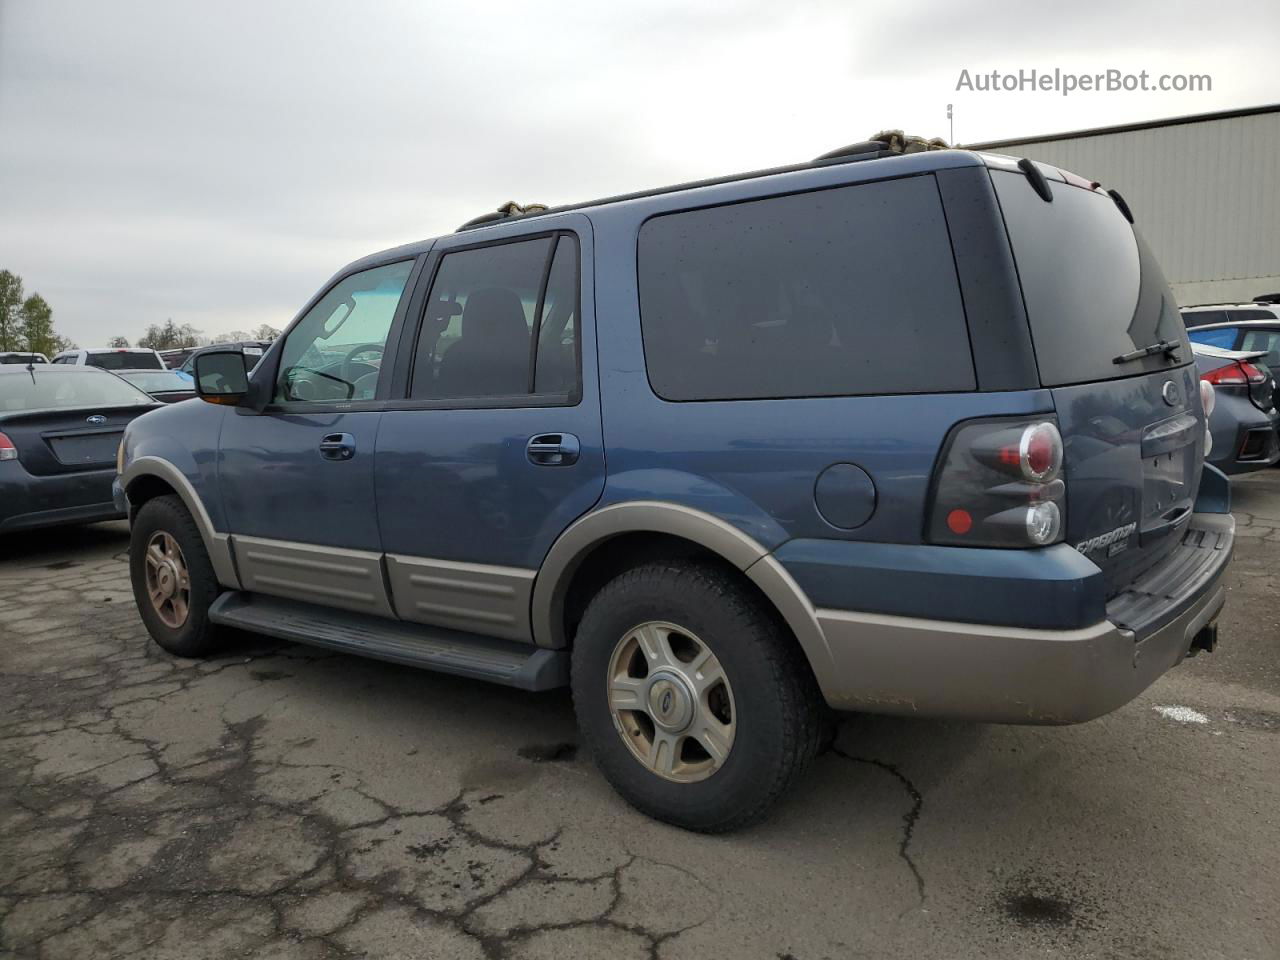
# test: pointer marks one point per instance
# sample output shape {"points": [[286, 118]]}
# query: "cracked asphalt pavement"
{"points": [[283, 802]]}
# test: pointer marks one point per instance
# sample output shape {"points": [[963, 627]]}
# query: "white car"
{"points": [[113, 358]]}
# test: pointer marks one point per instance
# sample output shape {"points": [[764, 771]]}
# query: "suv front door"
{"points": [[494, 445], [297, 479]]}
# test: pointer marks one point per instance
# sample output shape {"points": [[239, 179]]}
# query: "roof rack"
{"points": [[1265, 299], [889, 143]]}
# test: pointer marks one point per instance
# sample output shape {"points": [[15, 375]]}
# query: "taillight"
{"points": [[998, 485], [7, 450], [1237, 373]]}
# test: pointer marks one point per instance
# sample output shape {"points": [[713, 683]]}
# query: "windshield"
{"points": [[1093, 291], [125, 360], [22, 358], [39, 390], [157, 382]]}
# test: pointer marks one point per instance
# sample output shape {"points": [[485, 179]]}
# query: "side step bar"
{"points": [[507, 662]]}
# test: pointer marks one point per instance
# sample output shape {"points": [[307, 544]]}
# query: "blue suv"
{"points": [[901, 433]]}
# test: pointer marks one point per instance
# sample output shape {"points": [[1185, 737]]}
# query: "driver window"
{"points": [[334, 354]]}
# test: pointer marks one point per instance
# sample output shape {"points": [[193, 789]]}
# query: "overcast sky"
{"points": [[216, 162]]}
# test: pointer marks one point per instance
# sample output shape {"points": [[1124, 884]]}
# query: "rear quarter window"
{"points": [[1092, 289], [838, 292]]}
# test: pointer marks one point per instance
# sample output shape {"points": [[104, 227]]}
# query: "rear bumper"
{"points": [[940, 668], [1252, 446], [28, 502]]}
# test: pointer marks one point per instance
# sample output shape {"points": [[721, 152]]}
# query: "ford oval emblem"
{"points": [[1170, 393], [97, 419]]}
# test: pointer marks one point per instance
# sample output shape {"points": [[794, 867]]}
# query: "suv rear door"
{"points": [[1132, 425], [494, 445]]}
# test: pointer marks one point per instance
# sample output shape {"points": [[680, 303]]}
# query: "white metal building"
{"points": [[1204, 190]]}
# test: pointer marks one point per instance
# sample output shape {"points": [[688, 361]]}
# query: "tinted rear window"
{"points": [[52, 390], [836, 292], [1091, 287], [125, 360]]}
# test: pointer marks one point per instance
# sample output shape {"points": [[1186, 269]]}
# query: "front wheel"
{"points": [[698, 707], [173, 579]]}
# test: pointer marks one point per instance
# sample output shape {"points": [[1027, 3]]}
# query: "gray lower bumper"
{"points": [[937, 668]]}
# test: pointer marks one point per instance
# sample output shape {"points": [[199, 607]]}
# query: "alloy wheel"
{"points": [[671, 702]]}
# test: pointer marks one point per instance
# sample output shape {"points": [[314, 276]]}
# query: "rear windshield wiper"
{"points": [[1150, 350]]}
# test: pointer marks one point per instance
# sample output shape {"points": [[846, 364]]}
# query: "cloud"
{"points": [[216, 163]]}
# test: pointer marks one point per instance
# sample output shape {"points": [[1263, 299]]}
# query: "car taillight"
{"points": [[998, 485], [7, 450], [1238, 373]]}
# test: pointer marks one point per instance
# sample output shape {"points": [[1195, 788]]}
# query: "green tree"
{"points": [[265, 332], [120, 343], [37, 331], [169, 336], [10, 309]]}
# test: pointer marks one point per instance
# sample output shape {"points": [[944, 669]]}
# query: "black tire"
{"points": [[779, 713], [197, 636]]}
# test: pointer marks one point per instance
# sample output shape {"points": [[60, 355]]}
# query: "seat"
{"points": [[491, 358]]}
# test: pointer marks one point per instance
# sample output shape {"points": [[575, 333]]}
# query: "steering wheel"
{"points": [[349, 362]]}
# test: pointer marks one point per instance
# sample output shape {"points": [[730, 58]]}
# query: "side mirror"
{"points": [[220, 377]]}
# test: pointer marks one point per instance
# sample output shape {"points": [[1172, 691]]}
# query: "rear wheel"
{"points": [[173, 579], [698, 707]]}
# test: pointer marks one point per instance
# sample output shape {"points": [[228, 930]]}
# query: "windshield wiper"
{"points": [[1150, 350]]}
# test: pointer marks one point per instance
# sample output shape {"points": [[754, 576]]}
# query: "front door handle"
{"points": [[338, 446], [553, 449]]}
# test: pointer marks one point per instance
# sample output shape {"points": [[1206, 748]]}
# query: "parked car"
{"points": [[914, 434], [167, 386], [113, 358], [1247, 335], [60, 429], [1243, 418], [1207, 314], [252, 350], [10, 356]]}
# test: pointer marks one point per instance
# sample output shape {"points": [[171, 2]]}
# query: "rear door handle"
{"points": [[338, 446], [553, 449]]}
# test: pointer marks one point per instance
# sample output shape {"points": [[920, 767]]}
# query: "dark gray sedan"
{"points": [[60, 427], [1244, 418]]}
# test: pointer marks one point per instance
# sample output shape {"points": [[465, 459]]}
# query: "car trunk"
{"points": [[51, 442], [1113, 351]]}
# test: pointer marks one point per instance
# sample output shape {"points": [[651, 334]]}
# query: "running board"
{"points": [[506, 662]]}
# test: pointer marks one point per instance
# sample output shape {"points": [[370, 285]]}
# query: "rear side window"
{"points": [[836, 292], [1252, 314], [501, 321], [1093, 291], [1224, 337], [125, 360]]}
